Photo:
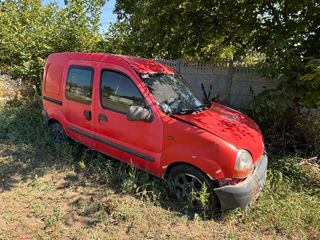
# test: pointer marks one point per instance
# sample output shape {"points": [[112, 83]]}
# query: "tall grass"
{"points": [[288, 205]]}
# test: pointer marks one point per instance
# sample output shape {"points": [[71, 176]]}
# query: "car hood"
{"points": [[230, 125]]}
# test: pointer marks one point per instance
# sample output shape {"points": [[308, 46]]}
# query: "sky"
{"points": [[107, 15]]}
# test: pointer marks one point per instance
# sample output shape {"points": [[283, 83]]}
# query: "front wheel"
{"points": [[194, 188]]}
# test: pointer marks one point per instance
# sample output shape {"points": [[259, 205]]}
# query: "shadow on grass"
{"points": [[26, 151]]}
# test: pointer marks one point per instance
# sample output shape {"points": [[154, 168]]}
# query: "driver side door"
{"points": [[136, 142]]}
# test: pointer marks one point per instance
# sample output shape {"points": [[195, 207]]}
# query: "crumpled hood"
{"points": [[230, 125]]}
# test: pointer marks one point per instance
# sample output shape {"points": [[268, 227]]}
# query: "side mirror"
{"points": [[136, 113]]}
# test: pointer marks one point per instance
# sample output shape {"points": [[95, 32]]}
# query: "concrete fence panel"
{"points": [[232, 83]]}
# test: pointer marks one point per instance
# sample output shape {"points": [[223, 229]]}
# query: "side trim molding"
{"points": [[112, 144], [52, 100]]}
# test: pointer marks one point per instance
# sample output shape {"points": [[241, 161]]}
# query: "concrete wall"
{"points": [[231, 82]]}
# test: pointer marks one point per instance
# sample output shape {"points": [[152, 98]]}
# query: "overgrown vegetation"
{"points": [[30, 31], [73, 192], [69, 191], [281, 34]]}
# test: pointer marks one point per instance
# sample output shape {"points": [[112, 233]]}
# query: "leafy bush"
{"points": [[312, 79], [284, 113], [269, 107], [30, 31]]}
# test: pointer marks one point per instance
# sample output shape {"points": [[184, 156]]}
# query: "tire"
{"points": [[187, 181], [57, 132]]}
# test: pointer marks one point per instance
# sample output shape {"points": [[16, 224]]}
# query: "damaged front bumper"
{"points": [[245, 193]]}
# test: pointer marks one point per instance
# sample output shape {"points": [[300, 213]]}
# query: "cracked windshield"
{"points": [[173, 94]]}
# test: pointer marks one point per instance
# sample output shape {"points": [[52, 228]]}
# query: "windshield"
{"points": [[173, 94]]}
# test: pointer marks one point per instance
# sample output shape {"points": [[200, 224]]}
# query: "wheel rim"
{"points": [[57, 132], [186, 184]]}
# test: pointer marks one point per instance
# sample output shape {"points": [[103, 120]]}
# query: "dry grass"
{"points": [[2, 90], [44, 194], [8, 88], [61, 203]]}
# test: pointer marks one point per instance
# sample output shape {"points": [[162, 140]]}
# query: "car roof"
{"points": [[140, 65], [144, 65]]}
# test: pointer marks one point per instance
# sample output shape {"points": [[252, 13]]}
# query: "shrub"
{"points": [[30, 31], [285, 113]]}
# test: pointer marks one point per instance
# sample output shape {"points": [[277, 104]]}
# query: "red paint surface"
{"points": [[212, 146], [230, 125], [147, 66]]}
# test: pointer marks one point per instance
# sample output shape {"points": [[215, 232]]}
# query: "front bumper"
{"points": [[245, 193]]}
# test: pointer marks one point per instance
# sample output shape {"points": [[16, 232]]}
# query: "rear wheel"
{"points": [[57, 132], [194, 188]]}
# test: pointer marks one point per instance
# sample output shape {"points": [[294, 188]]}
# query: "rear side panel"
{"points": [[52, 88]]}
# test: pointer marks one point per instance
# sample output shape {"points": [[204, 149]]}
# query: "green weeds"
{"points": [[288, 206]]}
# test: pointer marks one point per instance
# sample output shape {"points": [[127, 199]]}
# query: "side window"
{"points": [[118, 92], [79, 84]]}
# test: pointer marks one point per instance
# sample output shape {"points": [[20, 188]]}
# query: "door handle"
{"points": [[87, 114], [102, 117]]}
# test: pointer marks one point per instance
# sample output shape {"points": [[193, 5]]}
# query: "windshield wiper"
{"points": [[184, 111], [193, 110], [202, 107], [199, 108]]}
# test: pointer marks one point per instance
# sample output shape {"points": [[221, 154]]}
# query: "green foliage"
{"points": [[121, 40], [175, 29], [314, 74], [287, 37], [30, 31], [288, 207], [207, 94], [288, 200], [295, 79], [206, 29], [283, 110], [202, 197], [269, 107], [281, 34], [311, 79]]}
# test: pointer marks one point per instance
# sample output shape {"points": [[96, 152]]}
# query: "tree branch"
{"points": [[285, 14]]}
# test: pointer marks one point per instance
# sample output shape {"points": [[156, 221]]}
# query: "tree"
{"points": [[177, 28], [30, 31], [286, 32], [183, 27]]}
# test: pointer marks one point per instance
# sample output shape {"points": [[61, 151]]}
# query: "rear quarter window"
{"points": [[79, 84], [53, 79]]}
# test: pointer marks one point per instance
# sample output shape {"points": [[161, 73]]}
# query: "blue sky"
{"points": [[107, 11]]}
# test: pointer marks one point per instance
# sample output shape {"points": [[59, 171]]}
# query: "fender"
{"points": [[189, 144], [57, 114], [209, 166], [213, 172]]}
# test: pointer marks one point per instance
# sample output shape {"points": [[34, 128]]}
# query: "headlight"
{"points": [[244, 164]]}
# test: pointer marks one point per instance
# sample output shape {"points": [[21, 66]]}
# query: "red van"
{"points": [[142, 112]]}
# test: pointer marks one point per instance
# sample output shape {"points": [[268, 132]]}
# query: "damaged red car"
{"points": [[143, 112]]}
